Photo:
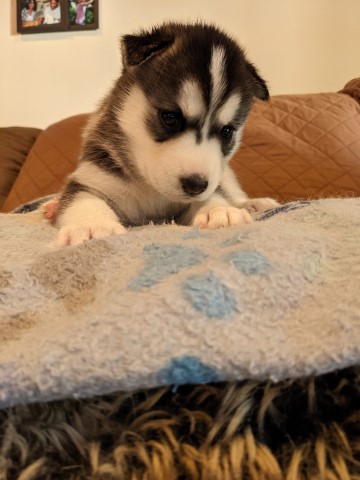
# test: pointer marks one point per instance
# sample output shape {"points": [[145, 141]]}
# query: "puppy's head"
{"points": [[189, 91]]}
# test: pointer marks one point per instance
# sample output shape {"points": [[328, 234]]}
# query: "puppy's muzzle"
{"points": [[194, 185]]}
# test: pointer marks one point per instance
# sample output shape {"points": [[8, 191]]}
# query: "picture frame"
{"points": [[83, 15], [44, 16], [41, 16]]}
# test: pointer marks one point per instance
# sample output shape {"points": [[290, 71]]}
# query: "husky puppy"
{"points": [[158, 147]]}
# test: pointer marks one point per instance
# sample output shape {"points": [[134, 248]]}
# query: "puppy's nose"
{"points": [[193, 185]]}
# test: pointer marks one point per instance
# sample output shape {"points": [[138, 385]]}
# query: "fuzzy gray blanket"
{"points": [[169, 305]]}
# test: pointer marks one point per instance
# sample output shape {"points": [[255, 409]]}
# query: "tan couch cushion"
{"points": [[15, 144], [298, 146], [53, 156]]}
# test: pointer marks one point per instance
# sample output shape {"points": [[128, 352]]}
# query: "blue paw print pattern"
{"points": [[249, 262], [187, 370], [235, 240], [209, 296], [163, 261]]}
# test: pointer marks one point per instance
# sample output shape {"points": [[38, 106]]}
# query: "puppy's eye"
{"points": [[227, 132], [173, 120]]}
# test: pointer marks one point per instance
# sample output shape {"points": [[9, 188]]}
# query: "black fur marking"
{"points": [[106, 144], [260, 91], [139, 48], [117, 139], [162, 132], [198, 136], [222, 192], [102, 158], [226, 145], [72, 189]]}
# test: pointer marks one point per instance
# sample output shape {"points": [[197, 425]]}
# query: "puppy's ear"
{"points": [[137, 49], [260, 88]]}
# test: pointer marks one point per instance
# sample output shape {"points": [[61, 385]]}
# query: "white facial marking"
{"points": [[217, 66], [226, 113], [191, 100], [217, 74], [189, 158], [163, 164]]}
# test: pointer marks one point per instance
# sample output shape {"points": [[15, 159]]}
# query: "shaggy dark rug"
{"points": [[301, 430]]}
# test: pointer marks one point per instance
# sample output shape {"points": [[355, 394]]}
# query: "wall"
{"points": [[299, 45]]}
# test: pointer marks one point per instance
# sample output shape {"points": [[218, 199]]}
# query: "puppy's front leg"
{"points": [[84, 218]]}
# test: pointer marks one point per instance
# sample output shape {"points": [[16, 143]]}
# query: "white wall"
{"points": [[299, 45]]}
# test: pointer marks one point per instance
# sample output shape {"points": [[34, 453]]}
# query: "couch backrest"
{"points": [[15, 143], [294, 146], [301, 146]]}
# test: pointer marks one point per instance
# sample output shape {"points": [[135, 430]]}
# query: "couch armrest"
{"points": [[15, 144], [53, 157]]}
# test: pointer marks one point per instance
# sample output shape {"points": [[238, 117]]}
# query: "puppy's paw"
{"points": [[76, 234], [260, 204], [218, 217]]}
